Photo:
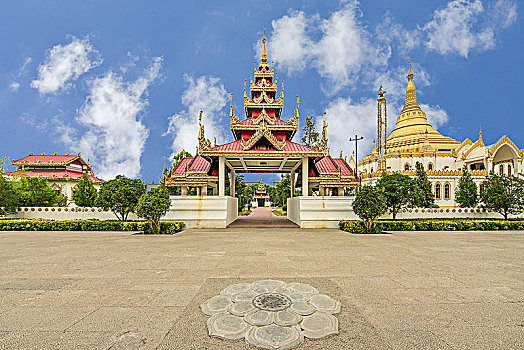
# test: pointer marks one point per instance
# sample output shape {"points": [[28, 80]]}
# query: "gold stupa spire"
{"points": [[264, 54], [410, 103]]}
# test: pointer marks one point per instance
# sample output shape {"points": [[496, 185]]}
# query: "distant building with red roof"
{"points": [[62, 171]]}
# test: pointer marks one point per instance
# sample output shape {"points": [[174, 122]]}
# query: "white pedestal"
{"points": [[203, 211], [320, 212]]}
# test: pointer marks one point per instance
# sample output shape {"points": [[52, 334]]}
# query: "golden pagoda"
{"points": [[412, 130]]}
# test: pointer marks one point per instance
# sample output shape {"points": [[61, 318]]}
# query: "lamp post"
{"points": [[356, 139]]}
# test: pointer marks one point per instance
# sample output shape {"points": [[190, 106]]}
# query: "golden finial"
{"points": [[214, 141], [380, 91], [410, 71], [231, 98], [341, 155], [298, 100], [329, 155], [200, 117], [480, 133], [264, 55]]}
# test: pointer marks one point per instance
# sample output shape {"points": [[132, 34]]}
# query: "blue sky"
{"points": [[123, 81]]}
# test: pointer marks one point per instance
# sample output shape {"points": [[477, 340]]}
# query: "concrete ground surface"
{"points": [[114, 290]]}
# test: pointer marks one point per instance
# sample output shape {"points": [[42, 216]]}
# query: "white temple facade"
{"points": [[414, 140]]}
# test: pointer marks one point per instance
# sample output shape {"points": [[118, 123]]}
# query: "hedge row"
{"points": [[356, 226], [86, 225]]}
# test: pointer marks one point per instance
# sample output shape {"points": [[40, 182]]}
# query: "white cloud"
{"points": [[115, 136], [389, 31], [289, 46], [464, 26], [436, 116], [342, 51], [205, 93], [345, 119], [345, 48], [14, 86], [64, 64]]}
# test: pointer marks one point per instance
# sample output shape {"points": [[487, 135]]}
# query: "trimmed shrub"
{"points": [[356, 226], [87, 225]]}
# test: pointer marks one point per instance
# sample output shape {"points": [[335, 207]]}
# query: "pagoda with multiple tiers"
{"points": [[261, 198], [262, 144]]}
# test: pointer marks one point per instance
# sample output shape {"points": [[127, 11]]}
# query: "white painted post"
{"points": [[232, 184], [292, 183], [221, 176], [305, 179]]}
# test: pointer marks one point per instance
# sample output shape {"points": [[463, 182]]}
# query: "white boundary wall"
{"points": [[203, 211], [326, 212]]}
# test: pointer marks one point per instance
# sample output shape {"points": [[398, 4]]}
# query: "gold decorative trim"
{"points": [[505, 139]]}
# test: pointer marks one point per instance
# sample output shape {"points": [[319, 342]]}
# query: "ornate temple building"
{"points": [[262, 143], [63, 172], [261, 198], [414, 140]]}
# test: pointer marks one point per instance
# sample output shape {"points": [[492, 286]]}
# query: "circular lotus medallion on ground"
{"points": [[271, 314]]}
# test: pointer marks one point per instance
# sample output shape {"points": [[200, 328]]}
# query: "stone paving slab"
{"points": [[101, 290]]}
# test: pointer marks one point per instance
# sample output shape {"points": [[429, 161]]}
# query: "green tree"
{"points": [[179, 156], [283, 190], [240, 191], [466, 194], [397, 189], [422, 193], [9, 200], [85, 193], [36, 192], [368, 205], [120, 195], [310, 132], [503, 194], [4, 163], [152, 205]]}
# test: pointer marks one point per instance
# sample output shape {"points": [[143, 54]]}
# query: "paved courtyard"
{"points": [[101, 290]]}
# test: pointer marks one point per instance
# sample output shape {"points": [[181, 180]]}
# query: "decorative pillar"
{"points": [[305, 177], [221, 176], [203, 191], [183, 190], [199, 190], [341, 191], [214, 190], [292, 183], [232, 183], [322, 190]]}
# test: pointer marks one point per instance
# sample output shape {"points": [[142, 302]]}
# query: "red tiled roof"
{"points": [[37, 159], [197, 163], [329, 165], [200, 164], [181, 166], [231, 146], [325, 165], [295, 147], [51, 174], [345, 169]]}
